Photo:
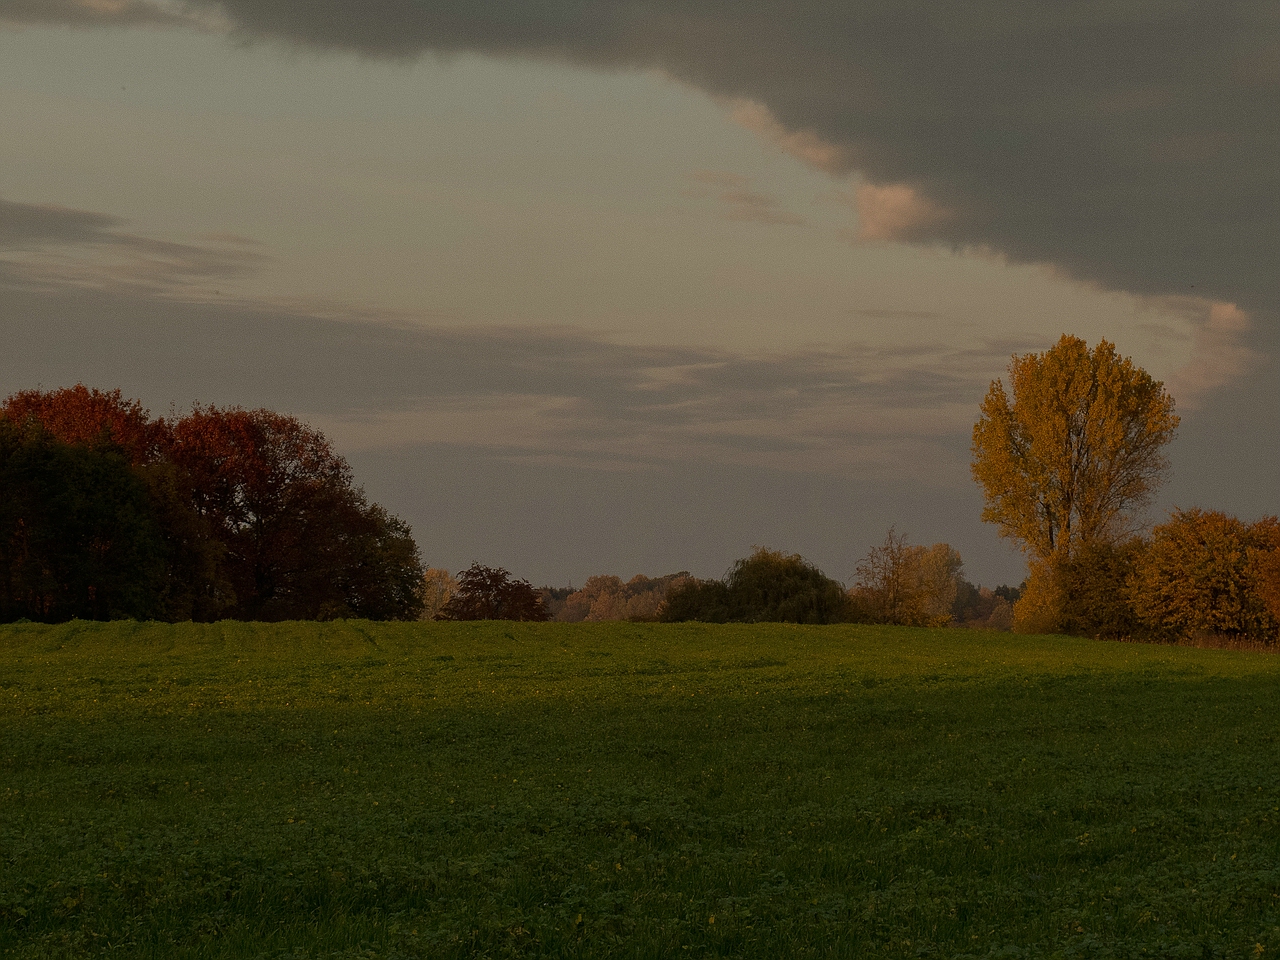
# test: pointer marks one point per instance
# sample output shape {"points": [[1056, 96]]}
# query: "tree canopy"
{"points": [[255, 515], [78, 538], [767, 587], [491, 593], [1075, 449]]}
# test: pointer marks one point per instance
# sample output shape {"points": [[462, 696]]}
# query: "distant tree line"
{"points": [[897, 584], [106, 512]]}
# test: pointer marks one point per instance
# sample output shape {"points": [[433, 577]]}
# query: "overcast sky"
{"points": [[601, 286]]}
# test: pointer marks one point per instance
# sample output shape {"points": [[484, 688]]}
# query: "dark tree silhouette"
{"points": [[77, 534], [258, 516], [766, 587], [490, 593], [301, 540]]}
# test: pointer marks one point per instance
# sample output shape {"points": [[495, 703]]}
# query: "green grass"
{"points": [[464, 790]]}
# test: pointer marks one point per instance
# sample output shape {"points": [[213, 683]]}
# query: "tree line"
{"points": [[1068, 457], [896, 583], [107, 512]]}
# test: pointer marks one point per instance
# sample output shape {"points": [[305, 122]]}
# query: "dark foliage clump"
{"points": [[706, 601], [78, 539], [224, 512], [490, 593], [767, 587]]}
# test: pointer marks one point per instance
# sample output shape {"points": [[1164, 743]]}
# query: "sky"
{"points": [[617, 287]]}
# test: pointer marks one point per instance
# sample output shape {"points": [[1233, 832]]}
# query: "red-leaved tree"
{"points": [[91, 417], [301, 540], [490, 593], [259, 515]]}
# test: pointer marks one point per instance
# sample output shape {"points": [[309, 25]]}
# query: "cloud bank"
{"points": [[1128, 145]]}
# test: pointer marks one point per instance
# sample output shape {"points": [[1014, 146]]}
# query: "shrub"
{"points": [[908, 585], [706, 601], [767, 587], [1208, 573]]}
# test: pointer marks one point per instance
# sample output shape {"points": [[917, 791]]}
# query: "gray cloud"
{"points": [[55, 246], [86, 13], [25, 225], [1130, 145], [550, 392]]}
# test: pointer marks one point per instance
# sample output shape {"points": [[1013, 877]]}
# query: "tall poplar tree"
{"points": [[1074, 447]]}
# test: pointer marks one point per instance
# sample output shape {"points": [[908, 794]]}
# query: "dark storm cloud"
{"points": [[1128, 144]]}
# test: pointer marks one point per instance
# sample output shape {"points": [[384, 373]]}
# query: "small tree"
{"points": [[766, 587], [908, 585], [884, 579], [438, 588], [773, 587], [490, 593]]}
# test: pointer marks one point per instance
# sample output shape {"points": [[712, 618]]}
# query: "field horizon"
{"points": [[357, 789]]}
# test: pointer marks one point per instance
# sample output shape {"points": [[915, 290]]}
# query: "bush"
{"points": [[1207, 573], [767, 587], [1086, 595], [706, 601]]}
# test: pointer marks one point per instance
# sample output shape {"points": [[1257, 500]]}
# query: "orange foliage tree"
{"points": [[1075, 449]]}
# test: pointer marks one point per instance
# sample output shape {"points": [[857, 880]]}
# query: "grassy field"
{"points": [[465, 790]]}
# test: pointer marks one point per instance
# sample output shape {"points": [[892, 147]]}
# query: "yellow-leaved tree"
{"points": [[1068, 454]]}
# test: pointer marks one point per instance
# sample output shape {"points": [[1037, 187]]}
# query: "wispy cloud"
{"points": [[739, 202], [91, 13], [51, 246], [548, 392]]}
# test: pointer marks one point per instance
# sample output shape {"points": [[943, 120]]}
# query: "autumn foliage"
{"points": [[244, 513], [1207, 573], [1074, 447]]}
